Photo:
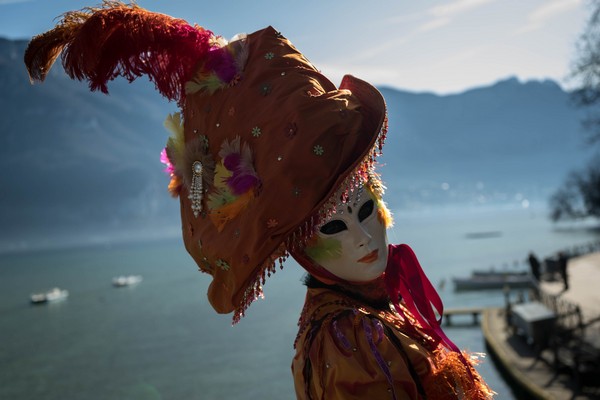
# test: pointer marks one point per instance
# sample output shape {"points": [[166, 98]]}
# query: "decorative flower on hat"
{"points": [[176, 148], [235, 182], [188, 164], [222, 67]]}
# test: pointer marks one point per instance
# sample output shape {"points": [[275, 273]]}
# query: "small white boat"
{"points": [[51, 295], [129, 280]]}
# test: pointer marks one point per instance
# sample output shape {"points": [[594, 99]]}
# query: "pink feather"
{"points": [[164, 158]]}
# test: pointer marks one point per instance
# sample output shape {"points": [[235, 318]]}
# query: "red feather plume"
{"points": [[116, 39]]}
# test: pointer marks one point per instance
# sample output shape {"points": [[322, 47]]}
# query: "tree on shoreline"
{"points": [[579, 196], [586, 68]]}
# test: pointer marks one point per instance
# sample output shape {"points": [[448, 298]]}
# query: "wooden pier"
{"points": [[475, 312]]}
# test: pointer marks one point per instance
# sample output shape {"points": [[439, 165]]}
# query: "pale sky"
{"points": [[437, 46]]}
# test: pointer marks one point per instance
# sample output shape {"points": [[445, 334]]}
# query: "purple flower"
{"points": [[221, 62], [241, 183]]}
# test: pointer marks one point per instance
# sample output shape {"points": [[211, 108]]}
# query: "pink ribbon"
{"points": [[404, 278]]}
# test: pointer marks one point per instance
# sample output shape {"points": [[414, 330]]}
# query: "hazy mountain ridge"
{"points": [[506, 139], [75, 159]]}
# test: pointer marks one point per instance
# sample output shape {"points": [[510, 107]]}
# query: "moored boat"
{"points": [[51, 295], [496, 273], [493, 281], [129, 280]]}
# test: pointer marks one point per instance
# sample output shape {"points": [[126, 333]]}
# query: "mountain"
{"points": [[88, 164], [497, 144], [73, 159]]}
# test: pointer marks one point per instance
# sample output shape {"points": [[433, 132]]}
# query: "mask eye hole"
{"points": [[366, 210], [333, 227]]}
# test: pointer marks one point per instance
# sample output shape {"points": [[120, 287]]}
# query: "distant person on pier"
{"points": [[562, 269], [534, 264]]}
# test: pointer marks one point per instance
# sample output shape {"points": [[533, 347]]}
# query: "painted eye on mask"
{"points": [[366, 210], [333, 227], [337, 226]]}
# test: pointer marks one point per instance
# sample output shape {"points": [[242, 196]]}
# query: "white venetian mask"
{"points": [[352, 243]]}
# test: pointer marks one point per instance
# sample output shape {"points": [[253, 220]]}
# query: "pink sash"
{"points": [[404, 278]]}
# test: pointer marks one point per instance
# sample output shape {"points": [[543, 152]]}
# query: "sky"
{"points": [[435, 46]]}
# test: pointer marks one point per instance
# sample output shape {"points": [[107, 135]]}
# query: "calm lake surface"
{"points": [[162, 340]]}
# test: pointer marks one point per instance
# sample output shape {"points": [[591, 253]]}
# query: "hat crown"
{"points": [[296, 135]]}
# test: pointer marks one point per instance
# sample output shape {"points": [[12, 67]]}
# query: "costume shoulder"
{"points": [[349, 351]]}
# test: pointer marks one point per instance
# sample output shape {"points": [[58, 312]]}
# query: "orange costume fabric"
{"points": [[346, 349]]}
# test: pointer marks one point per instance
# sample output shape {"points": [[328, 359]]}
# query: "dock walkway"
{"points": [[474, 312]]}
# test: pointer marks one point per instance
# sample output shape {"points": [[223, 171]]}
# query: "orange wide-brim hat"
{"points": [[262, 143]]}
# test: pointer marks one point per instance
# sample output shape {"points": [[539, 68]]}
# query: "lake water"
{"points": [[162, 340]]}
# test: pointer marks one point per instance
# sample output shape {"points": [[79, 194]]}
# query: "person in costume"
{"points": [[270, 159], [367, 329]]}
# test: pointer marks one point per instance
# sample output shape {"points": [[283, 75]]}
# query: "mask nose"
{"points": [[360, 235]]}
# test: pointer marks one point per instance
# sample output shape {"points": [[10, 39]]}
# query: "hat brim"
{"points": [[373, 110]]}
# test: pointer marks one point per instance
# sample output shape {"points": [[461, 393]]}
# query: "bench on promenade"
{"points": [[572, 350], [575, 354]]}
